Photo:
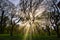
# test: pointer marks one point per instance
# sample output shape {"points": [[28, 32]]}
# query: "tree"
{"points": [[28, 12], [12, 23], [7, 14], [54, 17], [58, 4], [3, 17]]}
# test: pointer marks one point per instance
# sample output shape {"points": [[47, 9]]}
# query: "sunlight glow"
{"points": [[40, 11], [31, 27], [26, 33]]}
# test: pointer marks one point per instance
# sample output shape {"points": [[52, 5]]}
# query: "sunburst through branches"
{"points": [[29, 10]]}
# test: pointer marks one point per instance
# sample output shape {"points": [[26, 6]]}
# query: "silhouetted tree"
{"points": [[48, 30], [28, 10], [6, 12], [54, 17], [58, 4]]}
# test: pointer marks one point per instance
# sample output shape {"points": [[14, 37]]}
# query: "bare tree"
{"points": [[3, 12], [58, 4], [7, 9], [28, 11], [54, 17]]}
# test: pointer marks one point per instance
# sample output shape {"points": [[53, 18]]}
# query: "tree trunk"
{"points": [[48, 30], [1, 24], [57, 31], [11, 33]]}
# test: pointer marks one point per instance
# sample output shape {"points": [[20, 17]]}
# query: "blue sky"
{"points": [[14, 2], [17, 1]]}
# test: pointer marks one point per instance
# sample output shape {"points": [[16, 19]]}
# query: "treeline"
{"points": [[9, 19]]}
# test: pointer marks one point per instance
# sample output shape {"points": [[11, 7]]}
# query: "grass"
{"points": [[20, 37]]}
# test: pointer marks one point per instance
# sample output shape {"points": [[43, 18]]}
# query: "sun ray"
{"points": [[27, 28]]}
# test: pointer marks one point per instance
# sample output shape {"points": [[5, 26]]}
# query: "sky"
{"points": [[15, 2]]}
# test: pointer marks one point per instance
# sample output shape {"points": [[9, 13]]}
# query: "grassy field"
{"points": [[20, 37]]}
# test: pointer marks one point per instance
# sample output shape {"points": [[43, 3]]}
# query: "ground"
{"points": [[20, 37]]}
